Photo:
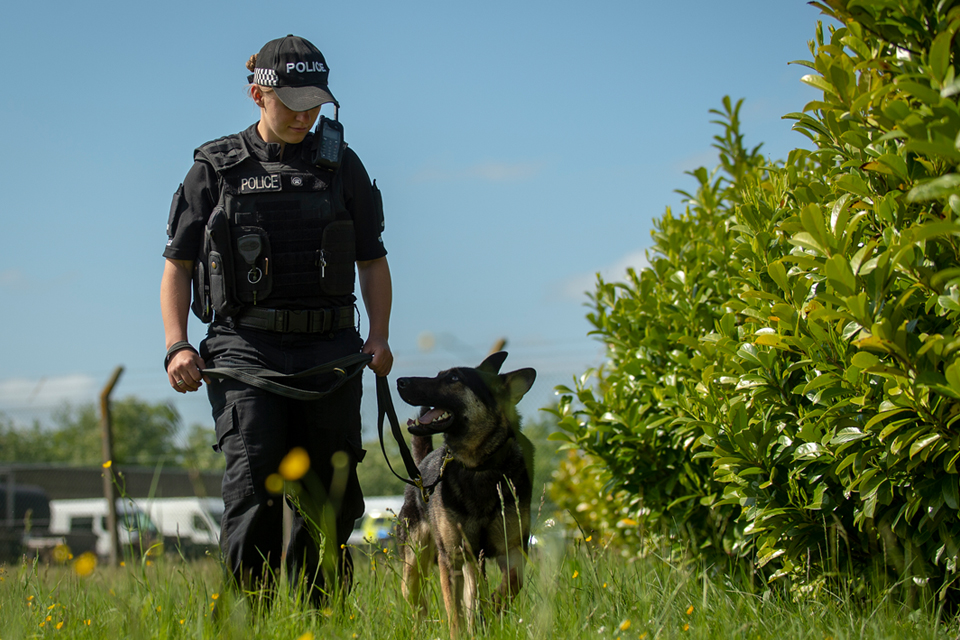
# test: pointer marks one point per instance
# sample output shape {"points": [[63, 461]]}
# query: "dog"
{"points": [[477, 486]]}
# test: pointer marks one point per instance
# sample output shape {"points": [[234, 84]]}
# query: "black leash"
{"points": [[385, 407], [344, 369]]}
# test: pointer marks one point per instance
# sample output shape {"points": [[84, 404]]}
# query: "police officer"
{"points": [[264, 234]]}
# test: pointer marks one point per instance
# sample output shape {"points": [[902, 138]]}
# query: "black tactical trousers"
{"points": [[256, 429]]}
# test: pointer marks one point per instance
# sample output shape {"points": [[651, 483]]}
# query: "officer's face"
{"points": [[280, 124]]}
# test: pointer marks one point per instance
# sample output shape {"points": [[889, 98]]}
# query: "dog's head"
{"points": [[458, 398]]}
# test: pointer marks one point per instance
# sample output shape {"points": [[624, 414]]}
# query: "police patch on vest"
{"points": [[303, 182], [258, 184]]}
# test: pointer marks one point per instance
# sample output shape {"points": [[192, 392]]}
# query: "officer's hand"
{"points": [[382, 361], [184, 371]]}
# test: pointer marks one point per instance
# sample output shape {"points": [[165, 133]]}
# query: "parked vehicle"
{"points": [[83, 524], [375, 527], [189, 525], [25, 522]]}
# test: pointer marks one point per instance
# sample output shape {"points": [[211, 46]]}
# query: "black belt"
{"points": [[296, 321]]}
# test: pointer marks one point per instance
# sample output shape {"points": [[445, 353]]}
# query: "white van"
{"points": [[376, 525], [83, 524], [190, 524]]}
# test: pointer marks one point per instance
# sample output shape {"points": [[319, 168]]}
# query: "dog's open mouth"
{"points": [[431, 421]]}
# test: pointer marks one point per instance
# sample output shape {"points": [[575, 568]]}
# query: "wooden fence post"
{"points": [[109, 492]]}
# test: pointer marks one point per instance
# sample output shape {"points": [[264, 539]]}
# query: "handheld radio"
{"points": [[328, 144]]}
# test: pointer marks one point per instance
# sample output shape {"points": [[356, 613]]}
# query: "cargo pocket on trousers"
{"points": [[353, 507], [237, 481]]}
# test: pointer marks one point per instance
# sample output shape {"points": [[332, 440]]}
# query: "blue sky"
{"points": [[521, 148]]}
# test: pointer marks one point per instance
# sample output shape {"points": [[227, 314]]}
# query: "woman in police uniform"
{"points": [[265, 237]]}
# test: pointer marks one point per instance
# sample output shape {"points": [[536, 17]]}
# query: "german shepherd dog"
{"points": [[478, 484]]}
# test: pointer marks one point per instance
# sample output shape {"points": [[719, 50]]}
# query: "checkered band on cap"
{"points": [[265, 77]]}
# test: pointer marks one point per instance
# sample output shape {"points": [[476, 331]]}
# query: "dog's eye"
{"points": [[454, 378]]}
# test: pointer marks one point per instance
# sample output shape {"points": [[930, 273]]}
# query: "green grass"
{"points": [[573, 590]]}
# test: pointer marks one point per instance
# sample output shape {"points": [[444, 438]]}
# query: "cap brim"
{"points": [[304, 98]]}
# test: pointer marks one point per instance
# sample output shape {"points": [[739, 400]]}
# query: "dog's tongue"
{"points": [[429, 416]]}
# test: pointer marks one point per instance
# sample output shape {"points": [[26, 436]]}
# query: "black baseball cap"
{"points": [[296, 71]]}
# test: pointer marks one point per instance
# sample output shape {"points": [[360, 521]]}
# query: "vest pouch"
{"points": [[220, 285], [336, 258], [218, 258], [201, 305], [252, 275]]}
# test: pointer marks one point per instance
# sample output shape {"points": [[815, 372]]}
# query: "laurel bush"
{"points": [[783, 382]]}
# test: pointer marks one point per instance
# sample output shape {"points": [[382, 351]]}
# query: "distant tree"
{"points": [[375, 476], [144, 433], [198, 452], [18, 444]]}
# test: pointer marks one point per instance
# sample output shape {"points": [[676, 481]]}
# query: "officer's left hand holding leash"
{"points": [[382, 361], [184, 367]]}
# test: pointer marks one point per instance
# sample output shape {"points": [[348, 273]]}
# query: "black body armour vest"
{"points": [[280, 235]]}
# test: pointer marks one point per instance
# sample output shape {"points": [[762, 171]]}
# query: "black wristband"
{"points": [[176, 346]]}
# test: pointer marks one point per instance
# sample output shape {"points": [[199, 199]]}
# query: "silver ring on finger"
{"points": [[180, 383]]}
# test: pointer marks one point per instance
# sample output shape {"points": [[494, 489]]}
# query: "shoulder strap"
{"points": [[223, 153]]}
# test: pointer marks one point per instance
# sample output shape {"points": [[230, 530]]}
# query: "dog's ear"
{"points": [[493, 362], [518, 383]]}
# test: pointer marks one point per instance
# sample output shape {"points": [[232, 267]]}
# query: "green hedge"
{"points": [[783, 383]]}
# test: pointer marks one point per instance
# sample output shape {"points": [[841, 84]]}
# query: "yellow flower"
{"points": [[686, 627], [53, 606], [306, 636], [295, 464], [85, 564], [59, 625], [575, 574], [215, 596], [182, 621], [274, 483], [588, 539], [108, 464], [87, 622], [61, 553], [624, 625], [689, 609], [49, 618]]}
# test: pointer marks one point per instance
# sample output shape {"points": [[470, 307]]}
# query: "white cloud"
{"points": [[22, 393], [575, 287]]}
